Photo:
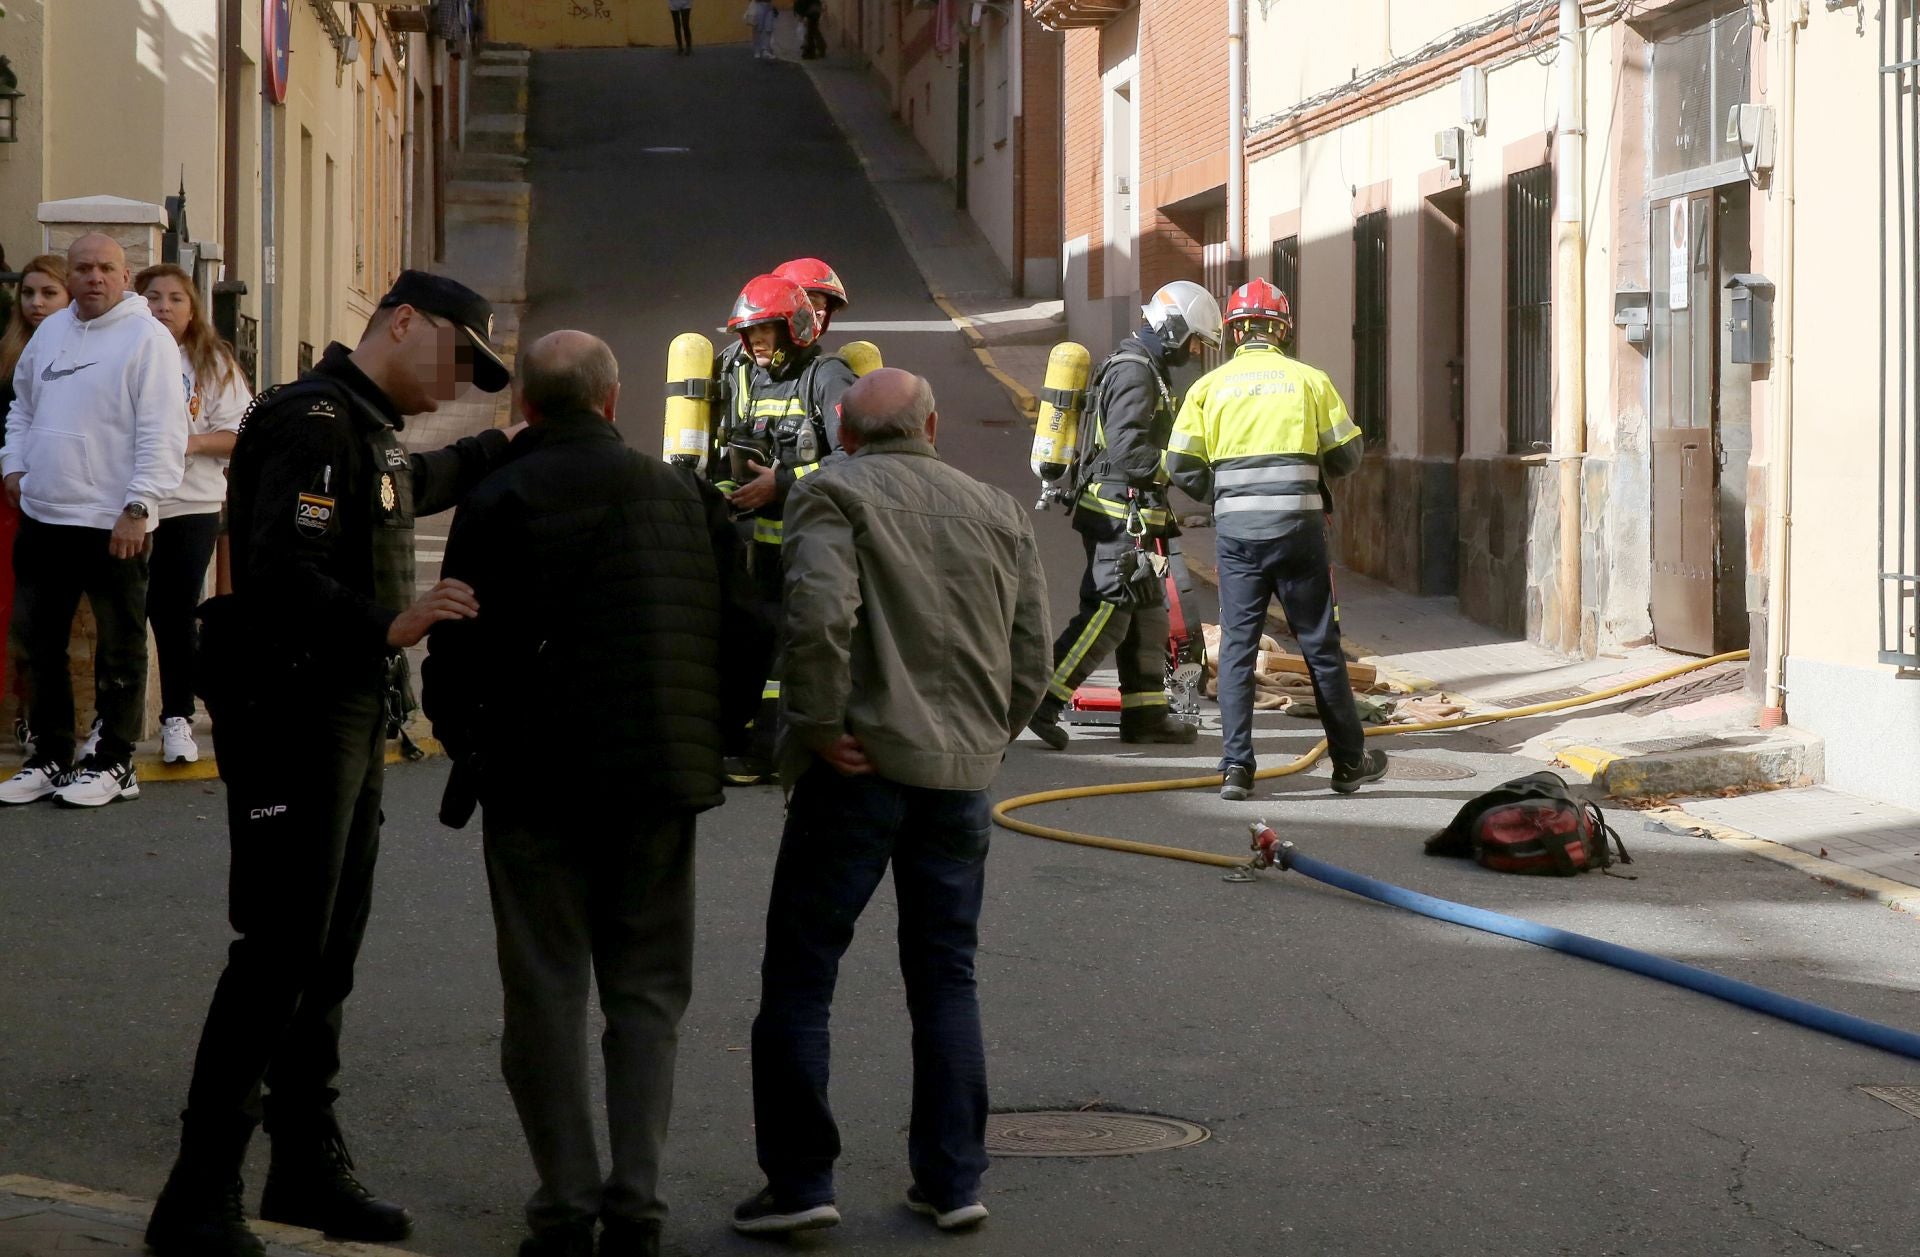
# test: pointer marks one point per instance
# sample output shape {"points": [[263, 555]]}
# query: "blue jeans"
{"points": [[1297, 568], [841, 834]]}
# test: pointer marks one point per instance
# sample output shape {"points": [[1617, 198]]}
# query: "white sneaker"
{"points": [[36, 780], [176, 741], [91, 745], [99, 784]]}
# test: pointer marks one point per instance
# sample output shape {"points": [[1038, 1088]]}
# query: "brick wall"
{"points": [[1183, 124], [1182, 116], [1080, 169], [1042, 56]]}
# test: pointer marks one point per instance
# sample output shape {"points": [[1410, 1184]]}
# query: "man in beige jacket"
{"points": [[917, 648]]}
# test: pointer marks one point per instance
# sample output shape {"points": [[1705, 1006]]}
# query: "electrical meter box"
{"points": [[1750, 318]]}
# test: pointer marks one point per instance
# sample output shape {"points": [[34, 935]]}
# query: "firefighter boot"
{"points": [[199, 1213], [1155, 724], [1046, 723], [310, 1183]]}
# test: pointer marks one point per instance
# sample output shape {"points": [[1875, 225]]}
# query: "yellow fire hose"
{"points": [[1001, 813]]}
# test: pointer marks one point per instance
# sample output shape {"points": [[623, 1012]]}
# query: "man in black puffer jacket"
{"points": [[609, 585]]}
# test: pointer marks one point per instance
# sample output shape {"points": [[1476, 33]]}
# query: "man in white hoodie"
{"points": [[96, 437]]}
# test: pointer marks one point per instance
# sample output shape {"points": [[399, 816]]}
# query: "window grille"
{"points": [[1286, 272], [1530, 310], [246, 347], [1899, 461], [1370, 325]]}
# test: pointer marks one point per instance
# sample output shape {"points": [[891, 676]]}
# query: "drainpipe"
{"points": [[407, 190], [1780, 429], [1236, 138], [1015, 32], [1570, 315]]}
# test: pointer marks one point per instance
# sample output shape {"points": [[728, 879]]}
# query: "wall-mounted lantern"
{"points": [[10, 95]]}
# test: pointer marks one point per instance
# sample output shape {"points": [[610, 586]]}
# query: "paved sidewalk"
{"points": [[43, 1219]]}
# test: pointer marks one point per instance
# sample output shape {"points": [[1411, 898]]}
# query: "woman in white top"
{"points": [[189, 528]]}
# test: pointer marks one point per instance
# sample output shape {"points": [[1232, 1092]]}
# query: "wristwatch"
{"points": [[135, 510]]}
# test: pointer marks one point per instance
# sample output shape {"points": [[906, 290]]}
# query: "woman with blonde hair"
{"points": [[183, 543], [42, 291]]}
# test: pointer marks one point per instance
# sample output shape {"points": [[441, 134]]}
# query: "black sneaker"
{"points": [[1372, 767], [746, 770], [1236, 784], [1046, 726], [574, 1240], [958, 1218], [629, 1237], [763, 1213]]}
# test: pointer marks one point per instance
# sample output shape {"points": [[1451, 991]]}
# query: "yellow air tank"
{"points": [[862, 355], [688, 429], [1056, 435]]}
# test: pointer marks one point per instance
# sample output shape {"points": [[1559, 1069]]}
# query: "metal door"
{"points": [[1685, 394]]}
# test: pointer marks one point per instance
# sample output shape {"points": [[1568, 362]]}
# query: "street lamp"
{"points": [[10, 95]]}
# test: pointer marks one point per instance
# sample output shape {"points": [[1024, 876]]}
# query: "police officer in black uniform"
{"points": [[302, 676]]}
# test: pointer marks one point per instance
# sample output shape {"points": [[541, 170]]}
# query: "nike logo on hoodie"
{"points": [[48, 374]]}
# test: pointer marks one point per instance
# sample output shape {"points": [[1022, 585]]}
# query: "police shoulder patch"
{"points": [[313, 514]]}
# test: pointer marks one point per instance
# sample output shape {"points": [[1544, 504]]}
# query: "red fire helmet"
{"points": [[816, 277], [775, 299]]}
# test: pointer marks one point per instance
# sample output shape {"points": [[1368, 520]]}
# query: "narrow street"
{"points": [[1375, 1083]]}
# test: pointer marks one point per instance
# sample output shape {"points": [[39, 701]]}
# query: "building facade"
{"points": [[978, 85], [303, 182]]}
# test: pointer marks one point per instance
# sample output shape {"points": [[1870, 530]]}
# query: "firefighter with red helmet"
{"points": [[822, 285], [780, 401], [1256, 437], [1119, 502]]}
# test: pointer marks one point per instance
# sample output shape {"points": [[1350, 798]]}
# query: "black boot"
{"points": [[310, 1183], [1155, 724], [1046, 723], [199, 1212]]}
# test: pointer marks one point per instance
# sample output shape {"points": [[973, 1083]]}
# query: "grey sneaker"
{"points": [[955, 1219], [1236, 784], [1372, 767], [763, 1213]]}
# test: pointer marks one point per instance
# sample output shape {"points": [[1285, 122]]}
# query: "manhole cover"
{"points": [[1411, 768], [1906, 1099], [1087, 1134]]}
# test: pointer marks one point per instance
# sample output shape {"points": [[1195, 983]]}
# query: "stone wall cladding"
{"points": [[1397, 520], [1500, 499]]}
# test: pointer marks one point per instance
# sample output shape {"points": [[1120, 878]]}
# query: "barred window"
{"points": [[1370, 325], [1286, 272], [1530, 310]]}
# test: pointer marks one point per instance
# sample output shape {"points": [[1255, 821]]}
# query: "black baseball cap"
{"points": [[467, 309]]}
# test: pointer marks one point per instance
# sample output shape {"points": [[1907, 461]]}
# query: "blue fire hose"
{"points": [[1746, 994]]}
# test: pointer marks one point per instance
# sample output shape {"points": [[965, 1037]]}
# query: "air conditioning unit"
{"points": [[1750, 130], [1450, 146]]}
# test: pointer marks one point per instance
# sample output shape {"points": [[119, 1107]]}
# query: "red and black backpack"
{"points": [[1532, 824]]}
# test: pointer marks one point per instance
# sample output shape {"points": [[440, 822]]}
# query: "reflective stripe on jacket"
{"points": [[1250, 438]]}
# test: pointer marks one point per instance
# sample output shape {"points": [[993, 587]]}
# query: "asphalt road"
{"points": [[1375, 1083]]}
